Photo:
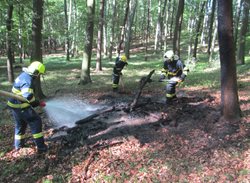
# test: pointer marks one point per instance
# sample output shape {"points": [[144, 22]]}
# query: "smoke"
{"points": [[66, 111]]}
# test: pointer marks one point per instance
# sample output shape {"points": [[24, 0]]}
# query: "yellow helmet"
{"points": [[123, 58], [36, 67]]}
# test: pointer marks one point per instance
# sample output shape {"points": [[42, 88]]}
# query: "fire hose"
{"points": [[12, 95]]}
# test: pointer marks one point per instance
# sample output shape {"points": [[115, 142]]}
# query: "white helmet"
{"points": [[169, 55]]}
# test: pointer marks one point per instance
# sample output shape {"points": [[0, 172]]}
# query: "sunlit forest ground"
{"points": [[150, 146]]}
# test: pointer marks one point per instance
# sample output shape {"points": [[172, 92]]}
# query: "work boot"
{"points": [[41, 150], [169, 101], [115, 90]]}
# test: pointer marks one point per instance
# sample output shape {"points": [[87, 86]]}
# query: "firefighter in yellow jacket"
{"points": [[173, 70], [120, 62], [23, 112]]}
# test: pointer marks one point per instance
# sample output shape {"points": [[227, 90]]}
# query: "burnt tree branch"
{"points": [[143, 82]]}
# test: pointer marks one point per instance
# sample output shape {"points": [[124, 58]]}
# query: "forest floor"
{"points": [[183, 142]]}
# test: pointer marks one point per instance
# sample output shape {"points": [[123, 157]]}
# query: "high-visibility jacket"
{"points": [[119, 65], [174, 68], [23, 86]]}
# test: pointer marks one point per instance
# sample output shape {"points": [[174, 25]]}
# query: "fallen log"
{"points": [[143, 82], [92, 116]]}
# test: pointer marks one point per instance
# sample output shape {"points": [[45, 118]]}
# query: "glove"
{"points": [[42, 104], [120, 73], [182, 78], [35, 103]]}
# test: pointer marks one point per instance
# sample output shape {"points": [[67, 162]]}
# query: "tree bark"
{"points": [[210, 32], [147, 31], [119, 48], [66, 28], [243, 33], [178, 22], [100, 37], [198, 29], [10, 57], [128, 33], [111, 40], [236, 22], [229, 97], [87, 53], [36, 52]]}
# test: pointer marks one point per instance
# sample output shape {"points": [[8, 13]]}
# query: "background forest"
{"points": [[203, 138]]}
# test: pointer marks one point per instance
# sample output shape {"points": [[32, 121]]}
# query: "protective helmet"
{"points": [[123, 58], [169, 55], [36, 68]]}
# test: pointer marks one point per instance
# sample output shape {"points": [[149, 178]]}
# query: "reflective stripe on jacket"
{"points": [[23, 86], [174, 68]]}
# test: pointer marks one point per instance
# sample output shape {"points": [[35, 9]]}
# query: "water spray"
{"points": [[65, 111]]}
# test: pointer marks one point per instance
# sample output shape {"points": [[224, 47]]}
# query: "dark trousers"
{"points": [[22, 118], [115, 79], [170, 89]]}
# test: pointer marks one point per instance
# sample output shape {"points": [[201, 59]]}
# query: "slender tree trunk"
{"points": [[147, 31], [85, 71], [158, 27], [123, 28], [20, 34], [172, 19], [66, 28], [111, 40], [128, 34], [210, 32], [198, 28], [100, 37], [10, 58], [37, 23], [243, 32], [213, 42], [166, 26], [229, 92], [178, 22], [236, 22], [36, 52]]}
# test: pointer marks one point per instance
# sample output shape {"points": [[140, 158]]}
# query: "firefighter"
{"points": [[23, 112], [173, 70], [120, 62]]}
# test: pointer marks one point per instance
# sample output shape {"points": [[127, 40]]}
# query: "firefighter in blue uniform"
{"points": [[23, 112], [120, 62], [173, 70]]}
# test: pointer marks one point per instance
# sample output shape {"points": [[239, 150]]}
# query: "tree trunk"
{"points": [[178, 22], [147, 31], [229, 97], [198, 29], [85, 71], [119, 48], [37, 23], [158, 27], [66, 28], [10, 58], [236, 22], [100, 37], [128, 34], [213, 42], [210, 32], [243, 32], [111, 40], [36, 52], [20, 33]]}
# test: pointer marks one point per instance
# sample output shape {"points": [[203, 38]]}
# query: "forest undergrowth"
{"points": [[183, 142]]}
